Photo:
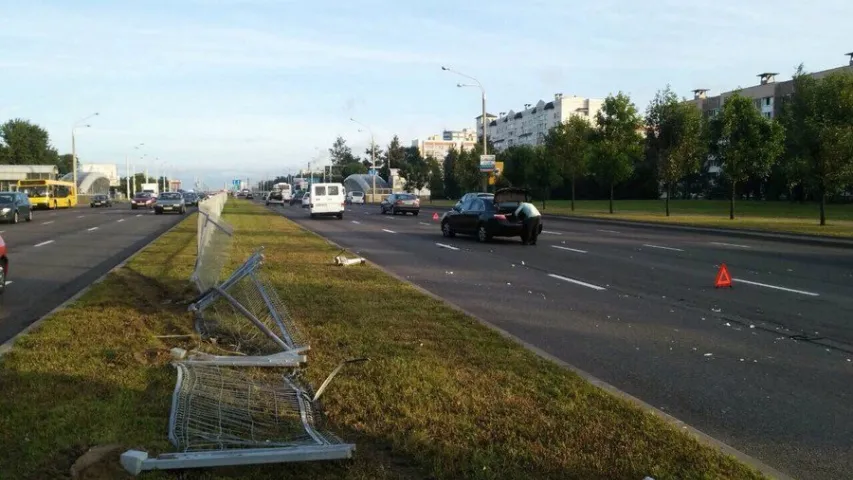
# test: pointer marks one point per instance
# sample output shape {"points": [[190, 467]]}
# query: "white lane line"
{"points": [[662, 247], [424, 223], [91, 229], [356, 222], [389, 231], [449, 247], [607, 231], [81, 216], [43, 243], [8, 282], [120, 219], [569, 249], [47, 223], [729, 245], [139, 215], [551, 233], [576, 282], [775, 287]]}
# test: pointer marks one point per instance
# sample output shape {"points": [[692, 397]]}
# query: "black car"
{"points": [[15, 206], [191, 199], [250, 196], [486, 216], [101, 201], [401, 203], [297, 198]]}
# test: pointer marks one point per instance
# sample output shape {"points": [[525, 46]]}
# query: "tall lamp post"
{"points": [[483, 118], [77, 124], [372, 156], [127, 168]]}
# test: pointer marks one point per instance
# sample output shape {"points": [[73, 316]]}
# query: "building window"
{"points": [[768, 115], [767, 101]]}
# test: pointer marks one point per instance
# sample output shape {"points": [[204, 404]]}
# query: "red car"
{"points": [[143, 200], [4, 266]]}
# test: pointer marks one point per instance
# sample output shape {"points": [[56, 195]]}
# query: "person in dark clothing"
{"points": [[530, 223]]}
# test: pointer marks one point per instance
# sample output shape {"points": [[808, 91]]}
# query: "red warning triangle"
{"points": [[723, 278], [435, 216]]}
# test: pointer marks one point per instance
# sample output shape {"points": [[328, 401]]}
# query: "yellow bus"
{"points": [[51, 194]]}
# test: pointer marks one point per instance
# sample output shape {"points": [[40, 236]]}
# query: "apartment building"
{"points": [[530, 125], [437, 146]]}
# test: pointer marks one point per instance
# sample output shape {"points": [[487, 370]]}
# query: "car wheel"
{"points": [[30, 215], [416, 213], [2, 278], [340, 216], [446, 230], [482, 234]]}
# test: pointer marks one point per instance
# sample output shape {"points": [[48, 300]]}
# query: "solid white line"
{"points": [[43, 243], [576, 282], [389, 231], [663, 248], [801, 292], [8, 282], [608, 231], [729, 245], [120, 219], [569, 249], [355, 222], [93, 228], [550, 232], [449, 247], [47, 223]]}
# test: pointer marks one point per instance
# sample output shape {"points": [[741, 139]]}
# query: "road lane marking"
{"points": [[569, 249], [8, 282], [662, 247], [356, 222], [139, 215], [576, 282], [449, 247], [776, 287], [43, 243], [47, 223], [551, 233], [607, 231], [93, 228], [729, 245], [81, 216], [389, 231], [120, 219]]}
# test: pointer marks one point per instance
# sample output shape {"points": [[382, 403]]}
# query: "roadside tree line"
{"points": [[25, 143]]}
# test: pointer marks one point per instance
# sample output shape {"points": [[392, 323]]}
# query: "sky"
{"points": [[222, 89]]}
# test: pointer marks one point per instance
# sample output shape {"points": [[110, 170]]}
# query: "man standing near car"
{"points": [[530, 219]]}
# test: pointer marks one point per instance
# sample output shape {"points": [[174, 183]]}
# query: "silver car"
{"points": [[172, 202]]}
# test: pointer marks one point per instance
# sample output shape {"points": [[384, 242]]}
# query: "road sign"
{"points": [[499, 167], [487, 163], [371, 171]]}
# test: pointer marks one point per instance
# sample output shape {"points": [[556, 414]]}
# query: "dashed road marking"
{"points": [[729, 245], [661, 247], [775, 287], [44, 243], [569, 249], [551, 233], [389, 231], [120, 219], [449, 247], [47, 223], [576, 282], [91, 229], [607, 231], [356, 222]]}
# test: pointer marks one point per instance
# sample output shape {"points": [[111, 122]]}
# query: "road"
{"points": [[766, 367], [61, 252]]}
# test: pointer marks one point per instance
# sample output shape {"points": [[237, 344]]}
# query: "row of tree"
{"points": [[25, 143]]}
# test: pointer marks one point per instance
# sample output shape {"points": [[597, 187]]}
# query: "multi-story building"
{"points": [[529, 126], [437, 146], [464, 135]]}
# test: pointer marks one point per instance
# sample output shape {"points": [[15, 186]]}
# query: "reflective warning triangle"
{"points": [[723, 277], [435, 216]]}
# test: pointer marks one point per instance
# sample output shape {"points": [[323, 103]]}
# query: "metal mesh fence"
{"points": [[214, 239]]}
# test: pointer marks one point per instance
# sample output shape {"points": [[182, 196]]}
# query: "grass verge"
{"points": [[442, 397], [780, 217]]}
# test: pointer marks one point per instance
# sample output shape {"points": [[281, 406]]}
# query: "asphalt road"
{"points": [[61, 252], [766, 367]]}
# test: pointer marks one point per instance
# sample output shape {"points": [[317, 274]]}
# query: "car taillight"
{"points": [[500, 216], [398, 202]]}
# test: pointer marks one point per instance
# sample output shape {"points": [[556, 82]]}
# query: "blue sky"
{"points": [[247, 88]]}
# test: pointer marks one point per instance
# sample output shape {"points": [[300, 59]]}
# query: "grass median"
{"points": [[779, 217], [442, 397]]}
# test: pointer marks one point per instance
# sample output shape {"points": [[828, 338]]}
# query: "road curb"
{"points": [[802, 239], [9, 344], [678, 424]]}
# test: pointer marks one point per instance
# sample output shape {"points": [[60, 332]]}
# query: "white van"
{"points": [[327, 199]]}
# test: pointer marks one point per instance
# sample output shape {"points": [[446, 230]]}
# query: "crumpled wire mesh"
{"points": [[214, 239]]}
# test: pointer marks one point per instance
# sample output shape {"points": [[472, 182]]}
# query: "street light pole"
{"points": [[372, 157], [77, 124], [482, 119]]}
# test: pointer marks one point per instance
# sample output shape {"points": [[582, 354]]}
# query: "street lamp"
{"points": [[77, 124], [483, 118], [372, 157], [127, 169]]}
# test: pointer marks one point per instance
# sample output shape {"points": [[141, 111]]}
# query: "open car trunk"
{"points": [[507, 201]]}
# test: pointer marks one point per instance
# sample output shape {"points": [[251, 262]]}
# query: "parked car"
{"points": [[326, 200], [275, 198], [15, 206], [401, 203], [486, 216], [469, 196], [172, 202], [4, 266], [191, 199], [355, 198], [142, 200], [101, 201], [297, 198]]}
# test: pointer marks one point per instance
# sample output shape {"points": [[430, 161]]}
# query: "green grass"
{"points": [[442, 397], [783, 217]]}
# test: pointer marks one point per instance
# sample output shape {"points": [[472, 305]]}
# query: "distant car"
{"points": [[142, 200], [355, 198], [191, 199], [4, 266], [101, 201], [296, 198], [486, 216], [250, 196], [172, 202], [306, 200], [401, 203], [275, 198], [14, 206]]}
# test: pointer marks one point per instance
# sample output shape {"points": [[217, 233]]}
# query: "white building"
{"points": [[529, 126], [108, 170], [464, 135], [437, 146]]}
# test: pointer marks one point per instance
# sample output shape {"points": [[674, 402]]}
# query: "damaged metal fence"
{"points": [[214, 239]]}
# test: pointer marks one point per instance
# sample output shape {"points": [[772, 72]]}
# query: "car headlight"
{"points": [[5, 210]]}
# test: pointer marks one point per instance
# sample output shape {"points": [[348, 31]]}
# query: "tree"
{"points": [[451, 187], [674, 131], [63, 163], [466, 170], [377, 156], [340, 153], [818, 121], [395, 157], [353, 168], [436, 179], [515, 160], [414, 169], [617, 143], [25, 143], [543, 172], [569, 144], [745, 142]]}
